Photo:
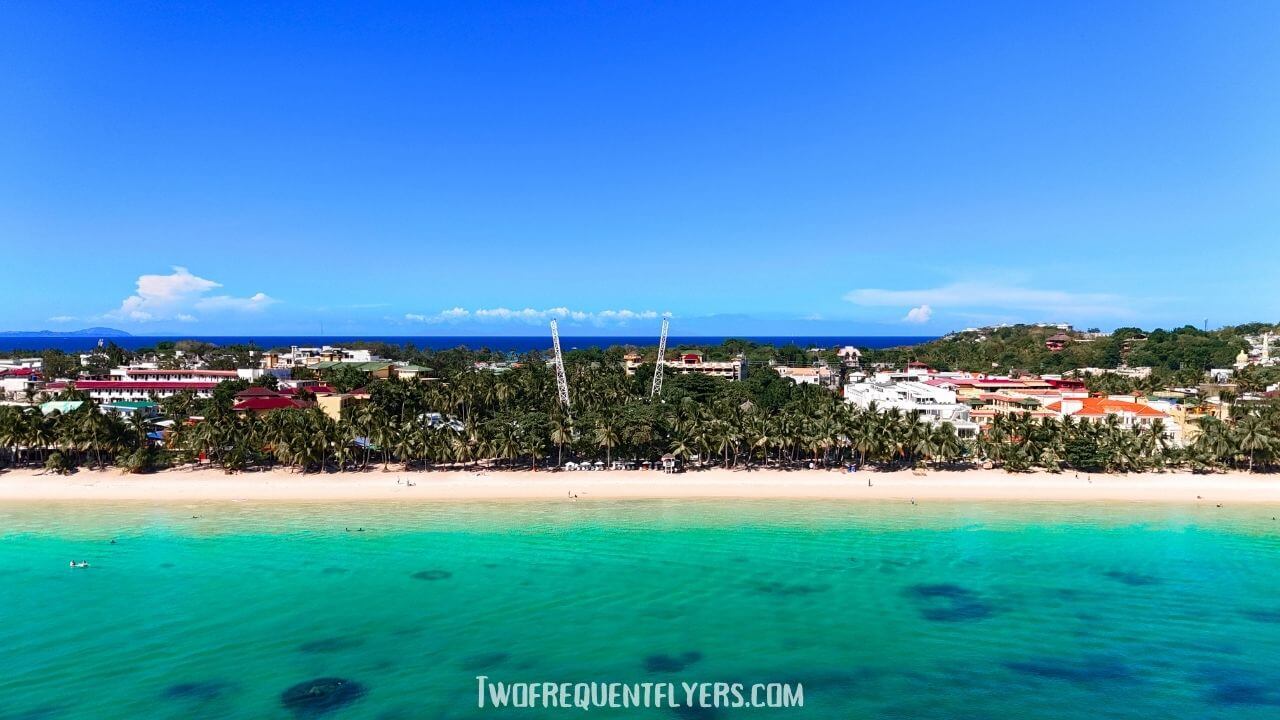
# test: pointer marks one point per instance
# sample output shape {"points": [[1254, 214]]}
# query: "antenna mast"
{"points": [[562, 384], [656, 391]]}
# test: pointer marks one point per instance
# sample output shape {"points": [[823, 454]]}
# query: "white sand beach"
{"points": [[208, 484]]}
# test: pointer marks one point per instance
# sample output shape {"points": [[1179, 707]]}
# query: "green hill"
{"points": [[1025, 347]]}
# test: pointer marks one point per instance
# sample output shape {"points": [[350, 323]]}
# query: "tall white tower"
{"points": [[656, 390], [562, 383]]}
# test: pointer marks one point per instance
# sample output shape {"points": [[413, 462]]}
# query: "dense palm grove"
{"points": [[513, 419]]}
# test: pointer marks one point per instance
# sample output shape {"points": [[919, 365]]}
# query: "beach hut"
{"points": [[571, 465], [599, 465], [670, 464]]}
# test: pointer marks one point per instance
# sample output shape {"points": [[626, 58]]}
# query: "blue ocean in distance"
{"points": [[515, 343]]}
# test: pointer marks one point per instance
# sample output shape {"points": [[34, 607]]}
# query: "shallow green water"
{"points": [[881, 611]]}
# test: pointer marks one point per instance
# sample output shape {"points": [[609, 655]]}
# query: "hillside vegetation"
{"points": [[1022, 347]]}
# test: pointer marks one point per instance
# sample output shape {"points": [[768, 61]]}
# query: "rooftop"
{"points": [[144, 372], [127, 385], [1099, 407], [260, 404]]}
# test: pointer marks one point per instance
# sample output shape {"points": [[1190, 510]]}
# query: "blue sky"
{"points": [[464, 168]]}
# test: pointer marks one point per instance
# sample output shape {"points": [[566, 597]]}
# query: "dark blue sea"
{"points": [[516, 344]]}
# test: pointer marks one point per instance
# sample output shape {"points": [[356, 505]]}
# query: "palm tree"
{"points": [[561, 434], [1253, 435], [605, 432], [946, 443]]}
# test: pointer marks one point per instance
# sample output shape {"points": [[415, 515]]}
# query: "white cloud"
{"points": [[61, 318], [919, 314], [532, 315], [175, 296], [252, 303], [982, 295]]}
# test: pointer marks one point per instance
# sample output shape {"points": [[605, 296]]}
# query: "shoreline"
{"points": [[209, 484]]}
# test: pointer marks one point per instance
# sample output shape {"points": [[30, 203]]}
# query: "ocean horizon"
{"points": [[501, 343]]}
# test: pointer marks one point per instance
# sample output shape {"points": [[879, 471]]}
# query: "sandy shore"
{"points": [[376, 485]]}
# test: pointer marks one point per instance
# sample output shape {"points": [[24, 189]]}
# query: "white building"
{"points": [[1135, 373], [18, 382], [147, 374], [132, 384], [850, 356], [692, 362], [935, 404], [31, 363], [824, 376], [308, 356], [1131, 413], [110, 391], [1259, 352]]}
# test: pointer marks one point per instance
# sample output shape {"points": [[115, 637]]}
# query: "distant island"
{"points": [[93, 332]]}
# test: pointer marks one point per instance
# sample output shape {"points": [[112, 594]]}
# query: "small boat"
{"points": [[81, 564]]}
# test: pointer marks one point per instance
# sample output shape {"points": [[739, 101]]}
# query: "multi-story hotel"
{"points": [[692, 361]]}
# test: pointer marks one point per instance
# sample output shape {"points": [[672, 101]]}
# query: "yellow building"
{"points": [[333, 404]]}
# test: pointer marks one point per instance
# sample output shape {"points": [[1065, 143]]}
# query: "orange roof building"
{"points": [[1091, 407], [1132, 415]]}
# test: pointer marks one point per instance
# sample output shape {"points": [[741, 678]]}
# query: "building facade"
{"points": [[935, 404]]}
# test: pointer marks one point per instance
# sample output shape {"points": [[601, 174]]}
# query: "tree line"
{"points": [[513, 418]]}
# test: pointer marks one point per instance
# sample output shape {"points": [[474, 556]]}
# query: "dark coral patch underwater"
{"points": [[1132, 578], [333, 644], [948, 602], [483, 661], [671, 663], [1266, 616], [312, 698], [201, 691], [1085, 671]]}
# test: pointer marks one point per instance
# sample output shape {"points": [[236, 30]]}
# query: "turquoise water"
{"points": [[881, 611]]}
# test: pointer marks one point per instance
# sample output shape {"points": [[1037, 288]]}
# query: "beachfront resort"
{"points": [[323, 409]]}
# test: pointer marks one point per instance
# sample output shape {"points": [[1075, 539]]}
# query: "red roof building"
{"points": [[257, 391], [126, 385], [1093, 407], [1057, 341], [262, 404], [106, 391]]}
